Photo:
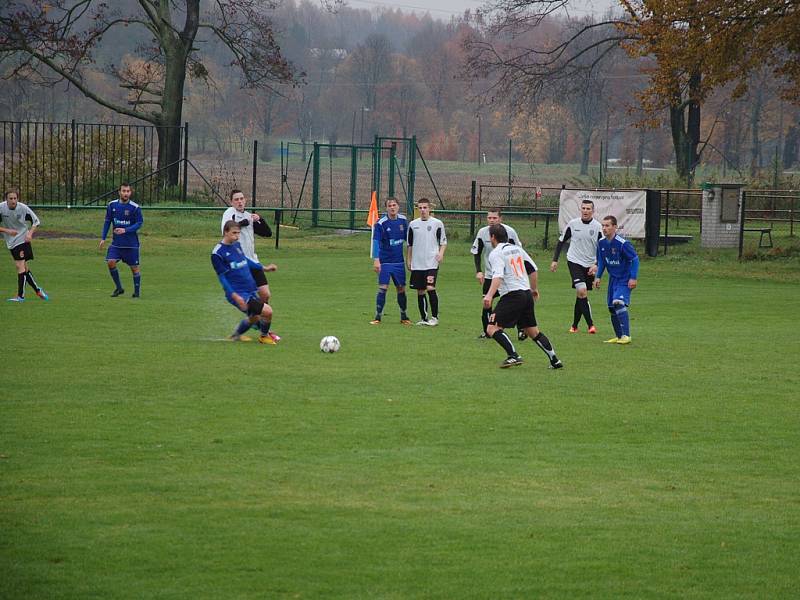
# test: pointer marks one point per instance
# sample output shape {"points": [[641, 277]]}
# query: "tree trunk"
{"points": [[755, 131], [684, 118], [587, 146], [640, 153], [177, 47]]}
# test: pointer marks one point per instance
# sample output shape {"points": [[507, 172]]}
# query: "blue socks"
{"points": [[620, 319], [137, 280], [264, 326], [244, 325], [115, 276], [380, 302]]}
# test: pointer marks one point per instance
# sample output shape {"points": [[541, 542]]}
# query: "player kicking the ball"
{"points": [[514, 276], [233, 269]]}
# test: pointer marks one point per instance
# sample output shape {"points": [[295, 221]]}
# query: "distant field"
{"points": [[142, 456]]}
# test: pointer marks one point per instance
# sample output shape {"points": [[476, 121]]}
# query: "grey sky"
{"points": [[444, 9]]}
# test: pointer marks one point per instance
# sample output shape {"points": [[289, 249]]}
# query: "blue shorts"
{"points": [[248, 296], [130, 256], [394, 271], [618, 290]]}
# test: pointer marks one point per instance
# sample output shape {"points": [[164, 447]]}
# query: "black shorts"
{"points": [[515, 308], [487, 283], [579, 273], [259, 276], [420, 280], [22, 252]]}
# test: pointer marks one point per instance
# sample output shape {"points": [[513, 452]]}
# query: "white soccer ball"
{"points": [[330, 343]]}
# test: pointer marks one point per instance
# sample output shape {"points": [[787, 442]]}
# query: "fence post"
{"points": [[472, 197], [255, 170], [392, 156], [278, 217], [741, 224], [546, 231], [412, 168], [283, 173], [509, 172], [353, 184], [791, 217], [666, 225], [72, 151], [315, 185], [376, 149], [185, 189]]}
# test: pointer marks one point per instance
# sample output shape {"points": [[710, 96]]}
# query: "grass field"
{"points": [[143, 457]]}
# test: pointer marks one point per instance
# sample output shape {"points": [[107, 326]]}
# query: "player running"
{"points": [[14, 219], [251, 224], [233, 269], [427, 242], [514, 276], [618, 255], [582, 233]]}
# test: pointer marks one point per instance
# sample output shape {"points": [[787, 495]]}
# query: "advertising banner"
{"points": [[628, 206]]}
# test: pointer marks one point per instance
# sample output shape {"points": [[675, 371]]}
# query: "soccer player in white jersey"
{"points": [[250, 225], [14, 219], [481, 248], [427, 242], [582, 233], [514, 276]]}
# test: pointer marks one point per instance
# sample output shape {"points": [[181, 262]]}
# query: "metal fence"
{"points": [[82, 163]]}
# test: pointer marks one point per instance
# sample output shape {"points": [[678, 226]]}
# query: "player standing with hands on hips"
{"points": [[126, 218], [582, 233], [514, 276], [426, 245], [618, 256], [18, 236]]}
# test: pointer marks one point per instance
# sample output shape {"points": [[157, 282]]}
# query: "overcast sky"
{"points": [[444, 9]]}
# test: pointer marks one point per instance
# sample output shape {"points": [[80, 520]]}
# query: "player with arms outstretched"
{"points": [[514, 276], [388, 236], [125, 219], [233, 269], [618, 256]]}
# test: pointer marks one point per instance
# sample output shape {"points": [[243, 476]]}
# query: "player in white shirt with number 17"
{"points": [[514, 276]]}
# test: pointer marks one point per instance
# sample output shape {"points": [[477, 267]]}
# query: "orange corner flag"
{"points": [[373, 216]]}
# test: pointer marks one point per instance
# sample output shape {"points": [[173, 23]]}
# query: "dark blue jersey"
{"points": [[388, 237], [127, 215], [233, 269], [618, 257]]}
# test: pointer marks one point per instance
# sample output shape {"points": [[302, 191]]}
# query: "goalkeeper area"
{"points": [[142, 455]]}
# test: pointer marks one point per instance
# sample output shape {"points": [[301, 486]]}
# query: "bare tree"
{"points": [[53, 40]]}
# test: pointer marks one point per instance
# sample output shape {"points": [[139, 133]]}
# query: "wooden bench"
{"points": [[764, 231]]}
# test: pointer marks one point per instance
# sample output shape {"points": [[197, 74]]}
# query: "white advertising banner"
{"points": [[627, 206]]}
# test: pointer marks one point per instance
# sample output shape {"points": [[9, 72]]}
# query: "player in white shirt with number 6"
{"points": [[514, 276]]}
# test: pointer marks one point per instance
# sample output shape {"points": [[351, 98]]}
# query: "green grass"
{"points": [[141, 456]]}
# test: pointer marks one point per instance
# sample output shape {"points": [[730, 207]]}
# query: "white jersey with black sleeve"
{"points": [[246, 237], [16, 219], [509, 262], [424, 238], [583, 238], [482, 247]]}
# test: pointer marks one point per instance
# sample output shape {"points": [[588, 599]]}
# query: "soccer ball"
{"points": [[330, 343]]}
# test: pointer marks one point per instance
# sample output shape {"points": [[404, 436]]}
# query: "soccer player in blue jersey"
{"points": [[618, 256], [234, 271], [388, 237], [124, 218]]}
